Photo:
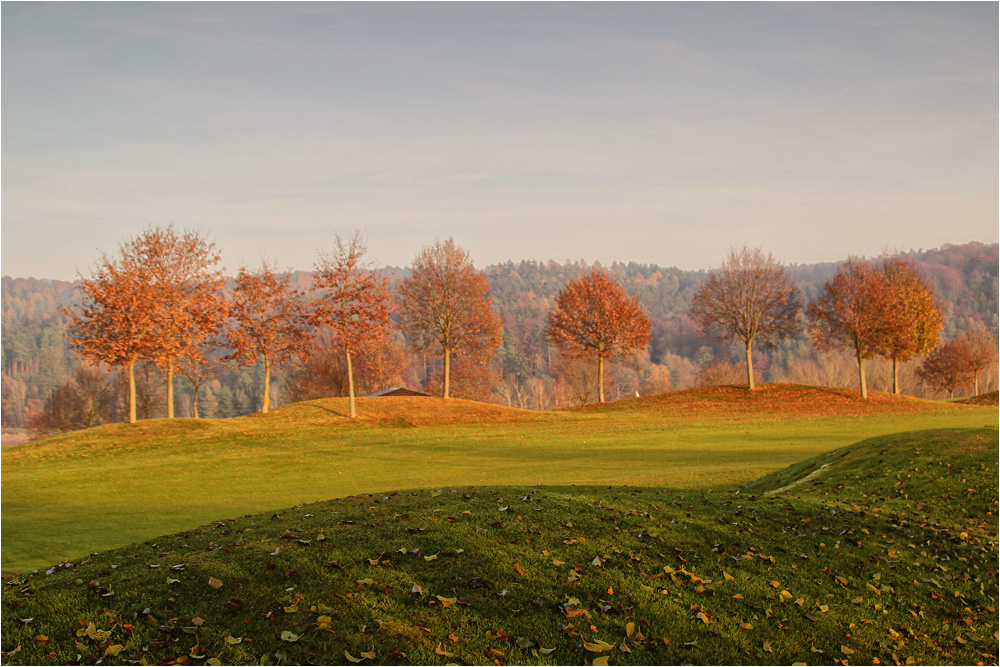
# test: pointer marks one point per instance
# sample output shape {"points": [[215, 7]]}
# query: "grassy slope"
{"points": [[887, 556], [110, 486]]}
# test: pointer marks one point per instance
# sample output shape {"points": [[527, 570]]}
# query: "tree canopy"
{"points": [[594, 315]]}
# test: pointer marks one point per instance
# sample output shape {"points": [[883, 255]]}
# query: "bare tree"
{"points": [[980, 349], [445, 301], [750, 298]]}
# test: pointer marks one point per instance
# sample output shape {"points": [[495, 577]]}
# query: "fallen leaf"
{"points": [[846, 651], [603, 660], [287, 636], [214, 583], [441, 651], [113, 650], [351, 657], [233, 641]]}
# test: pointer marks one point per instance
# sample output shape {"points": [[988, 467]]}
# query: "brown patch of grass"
{"points": [[772, 399], [989, 398]]}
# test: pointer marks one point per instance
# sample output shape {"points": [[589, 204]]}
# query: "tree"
{"points": [[267, 320], [980, 349], [946, 367], [355, 304], [914, 320], [852, 312], [446, 302], [594, 315], [751, 297], [112, 325], [185, 300]]}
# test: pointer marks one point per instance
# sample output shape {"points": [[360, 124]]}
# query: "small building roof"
{"points": [[396, 391]]}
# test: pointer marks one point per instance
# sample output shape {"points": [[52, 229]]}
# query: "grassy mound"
{"points": [[887, 556], [989, 398], [791, 400], [66, 496]]}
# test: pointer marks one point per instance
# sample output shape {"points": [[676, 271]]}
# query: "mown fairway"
{"points": [[68, 496], [880, 553]]}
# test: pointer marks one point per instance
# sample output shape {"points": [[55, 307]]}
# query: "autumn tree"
{"points": [[352, 301], [750, 298], [595, 316], [980, 349], [913, 319], [445, 302], [946, 367], [112, 324], [268, 320], [184, 290], [852, 312]]}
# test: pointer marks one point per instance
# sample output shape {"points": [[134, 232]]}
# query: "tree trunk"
{"points": [[170, 389], [895, 375], [194, 403], [861, 375], [600, 378], [350, 378], [447, 370], [267, 382], [749, 367], [975, 383], [131, 392]]}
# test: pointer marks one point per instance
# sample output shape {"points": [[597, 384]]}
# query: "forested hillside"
{"points": [[528, 373]]}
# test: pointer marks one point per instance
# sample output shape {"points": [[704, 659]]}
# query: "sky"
{"points": [[661, 133]]}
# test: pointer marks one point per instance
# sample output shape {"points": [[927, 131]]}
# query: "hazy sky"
{"points": [[653, 132]]}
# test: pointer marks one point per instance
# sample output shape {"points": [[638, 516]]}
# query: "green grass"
{"points": [[887, 555], [94, 490]]}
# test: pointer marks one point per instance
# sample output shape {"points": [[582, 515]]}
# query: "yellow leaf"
{"points": [[291, 610], [629, 629], [446, 601], [814, 649], [214, 583], [41, 638], [703, 617], [603, 660], [746, 626], [232, 641], [434, 557], [370, 655], [557, 563], [366, 581], [545, 651], [737, 597], [786, 594], [823, 608], [767, 647], [441, 651], [351, 657], [776, 584], [858, 600], [598, 646], [113, 650], [728, 577], [846, 651]]}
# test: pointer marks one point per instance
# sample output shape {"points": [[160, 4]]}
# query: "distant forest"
{"points": [[528, 373]]}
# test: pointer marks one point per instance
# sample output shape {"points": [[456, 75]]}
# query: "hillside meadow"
{"points": [[883, 552], [67, 496]]}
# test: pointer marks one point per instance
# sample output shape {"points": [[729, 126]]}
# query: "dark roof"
{"points": [[396, 391]]}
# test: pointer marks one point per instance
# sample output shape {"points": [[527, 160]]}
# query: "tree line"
{"points": [[532, 358]]}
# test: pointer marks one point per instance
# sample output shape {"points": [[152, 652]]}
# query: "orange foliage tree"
{"points": [[852, 311], [913, 321], [352, 301], [751, 297], [594, 315], [268, 320], [112, 324], [186, 305], [946, 367], [446, 302]]}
